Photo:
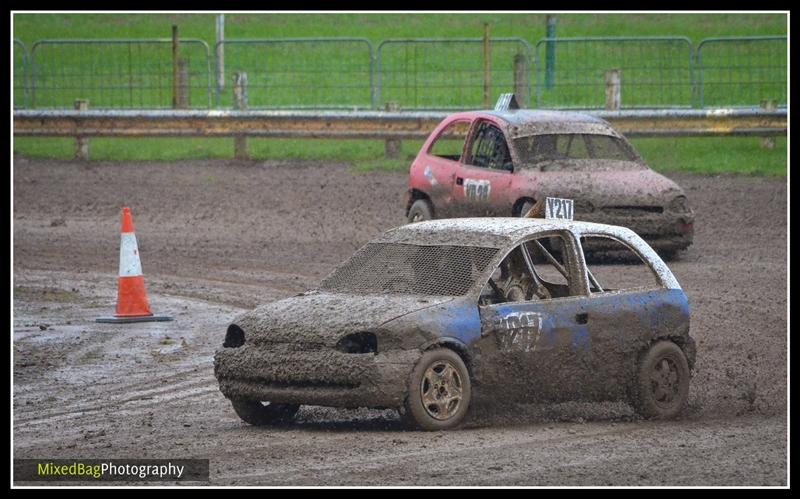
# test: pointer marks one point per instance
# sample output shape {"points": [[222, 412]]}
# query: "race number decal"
{"points": [[558, 208], [518, 331], [477, 190]]}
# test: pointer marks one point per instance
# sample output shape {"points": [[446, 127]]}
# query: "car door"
{"points": [[627, 307], [483, 177], [536, 347]]}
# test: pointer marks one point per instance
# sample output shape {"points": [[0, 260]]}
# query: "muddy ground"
{"points": [[219, 237]]}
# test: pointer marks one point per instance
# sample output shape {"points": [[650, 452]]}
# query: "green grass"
{"points": [[376, 27], [442, 75], [363, 155], [705, 155], [712, 155]]}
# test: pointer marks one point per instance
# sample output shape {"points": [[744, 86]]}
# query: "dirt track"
{"points": [[219, 237]]}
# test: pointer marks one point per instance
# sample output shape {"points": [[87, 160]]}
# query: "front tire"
{"points": [[258, 413], [524, 209], [420, 211], [439, 391], [662, 385]]}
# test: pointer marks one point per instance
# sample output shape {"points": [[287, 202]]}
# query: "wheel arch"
{"points": [[685, 342], [417, 194], [516, 209], [454, 344]]}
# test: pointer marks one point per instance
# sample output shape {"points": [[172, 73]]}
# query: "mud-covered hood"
{"points": [[323, 318], [606, 187]]}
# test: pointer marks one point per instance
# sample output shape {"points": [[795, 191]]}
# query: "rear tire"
{"points": [[668, 255], [662, 384], [257, 413], [420, 211], [439, 391]]}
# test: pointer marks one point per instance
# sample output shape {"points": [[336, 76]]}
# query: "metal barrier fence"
{"points": [[449, 73], [119, 73], [364, 124], [349, 73], [654, 71], [297, 73], [741, 71], [20, 75]]}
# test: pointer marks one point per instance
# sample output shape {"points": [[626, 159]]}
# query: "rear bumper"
{"points": [[277, 374]]}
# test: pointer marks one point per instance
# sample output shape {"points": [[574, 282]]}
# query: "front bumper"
{"points": [[282, 374], [662, 231]]}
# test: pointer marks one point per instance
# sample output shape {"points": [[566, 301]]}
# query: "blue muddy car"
{"points": [[434, 316]]}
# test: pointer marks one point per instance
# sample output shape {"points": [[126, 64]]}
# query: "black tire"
{"points": [[420, 210], [260, 414], [438, 403], [662, 384], [525, 208], [668, 255]]}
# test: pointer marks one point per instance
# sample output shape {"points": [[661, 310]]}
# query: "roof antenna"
{"points": [[506, 102]]}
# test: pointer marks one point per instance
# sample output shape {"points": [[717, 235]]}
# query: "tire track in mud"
{"points": [[141, 399], [488, 451], [130, 407], [117, 385]]}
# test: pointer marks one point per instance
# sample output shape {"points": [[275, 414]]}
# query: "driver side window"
{"points": [[489, 149], [534, 270]]}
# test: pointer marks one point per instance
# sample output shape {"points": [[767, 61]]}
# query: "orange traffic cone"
{"points": [[132, 305]]}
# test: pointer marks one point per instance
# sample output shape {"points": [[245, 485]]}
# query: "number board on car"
{"points": [[558, 208]]}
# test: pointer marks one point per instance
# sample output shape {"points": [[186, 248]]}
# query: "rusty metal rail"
{"points": [[364, 124]]}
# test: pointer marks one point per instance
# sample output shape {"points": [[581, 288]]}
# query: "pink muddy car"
{"points": [[512, 158]]}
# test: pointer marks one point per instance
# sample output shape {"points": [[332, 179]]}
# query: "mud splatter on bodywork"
{"points": [[615, 189]]}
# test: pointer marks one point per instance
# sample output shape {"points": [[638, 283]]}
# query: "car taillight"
{"points": [[685, 228]]}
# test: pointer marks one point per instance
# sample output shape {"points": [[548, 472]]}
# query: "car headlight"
{"points": [[679, 205], [234, 337], [358, 343]]}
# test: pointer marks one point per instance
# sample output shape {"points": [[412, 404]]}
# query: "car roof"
{"points": [[525, 122], [493, 232], [521, 116]]}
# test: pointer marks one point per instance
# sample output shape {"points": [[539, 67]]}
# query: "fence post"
{"points": [[240, 103], [521, 79], [392, 147], [183, 84], [550, 52], [81, 142], [486, 65], [768, 142], [613, 90], [220, 51], [175, 49]]}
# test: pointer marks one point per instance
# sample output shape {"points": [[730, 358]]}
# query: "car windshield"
{"points": [[390, 268], [571, 148]]}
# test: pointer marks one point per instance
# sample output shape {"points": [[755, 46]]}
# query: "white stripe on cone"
{"points": [[129, 263]]}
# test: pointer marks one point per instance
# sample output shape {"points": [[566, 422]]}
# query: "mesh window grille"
{"points": [[410, 269]]}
